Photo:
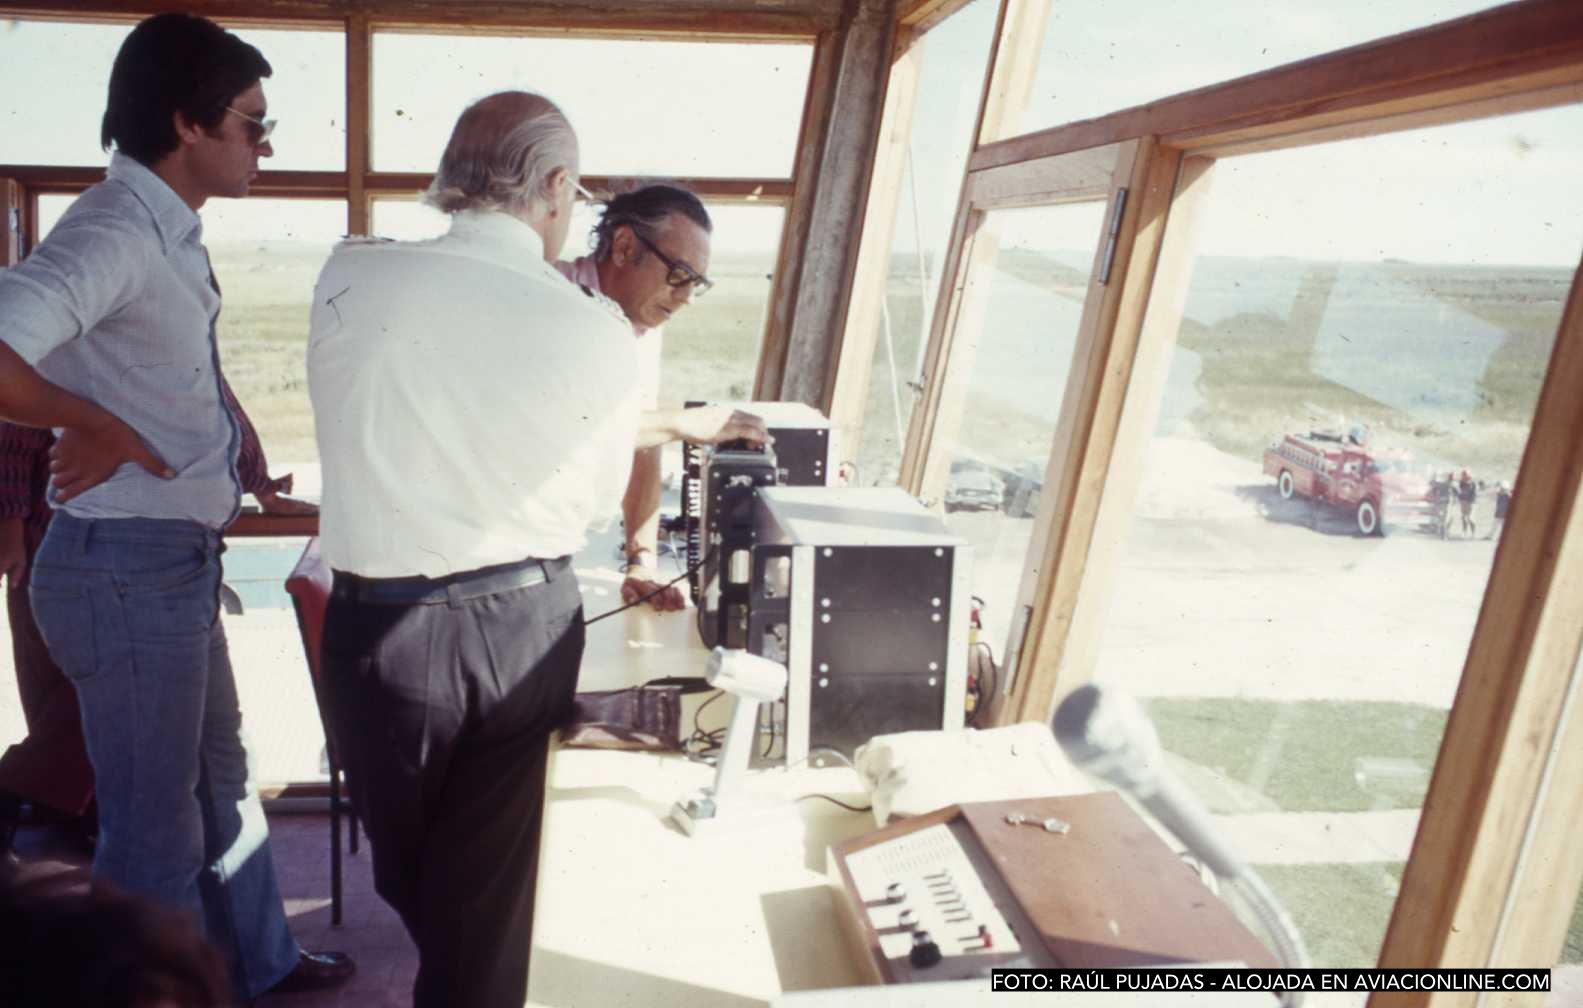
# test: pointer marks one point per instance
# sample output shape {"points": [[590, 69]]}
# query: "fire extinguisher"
{"points": [[975, 623]]}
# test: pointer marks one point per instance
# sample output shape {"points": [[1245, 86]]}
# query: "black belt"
{"points": [[453, 588]]}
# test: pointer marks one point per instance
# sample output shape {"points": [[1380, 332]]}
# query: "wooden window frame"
{"points": [[358, 185], [853, 366]]}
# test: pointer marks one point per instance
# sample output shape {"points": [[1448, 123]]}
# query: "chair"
{"points": [[309, 588]]}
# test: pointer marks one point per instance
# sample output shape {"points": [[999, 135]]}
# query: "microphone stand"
{"points": [[1106, 734]]}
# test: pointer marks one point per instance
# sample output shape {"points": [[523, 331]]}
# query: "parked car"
{"points": [[972, 489], [1023, 484]]}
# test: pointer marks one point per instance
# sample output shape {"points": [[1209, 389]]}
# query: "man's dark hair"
{"points": [[174, 63], [644, 211], [66, 942]]}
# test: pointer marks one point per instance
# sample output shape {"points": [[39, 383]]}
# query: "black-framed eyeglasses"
{"points": [[258, 130], [680, 274]]}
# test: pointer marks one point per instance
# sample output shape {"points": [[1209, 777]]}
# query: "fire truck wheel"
{"points": [[1369, 519], [1284, 484]]}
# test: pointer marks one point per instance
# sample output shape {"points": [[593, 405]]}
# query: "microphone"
{"points": [[1106, 734]]}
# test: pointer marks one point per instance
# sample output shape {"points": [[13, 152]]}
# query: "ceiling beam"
{"points": [[704, 20]]}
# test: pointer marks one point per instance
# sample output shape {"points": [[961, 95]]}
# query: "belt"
{"points": [[453, 588]]}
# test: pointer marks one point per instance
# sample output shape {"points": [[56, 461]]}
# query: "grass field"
{"points": [[1340, 910], [1260, 370], [1309, 756], [1306, 757]]}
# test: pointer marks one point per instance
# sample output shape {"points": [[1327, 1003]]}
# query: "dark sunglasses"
{"points": [[680, 274]]}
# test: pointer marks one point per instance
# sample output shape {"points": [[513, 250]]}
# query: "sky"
{"points": [[1495, 191]]}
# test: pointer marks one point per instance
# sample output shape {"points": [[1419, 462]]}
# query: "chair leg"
{"points": [[335, 843]]}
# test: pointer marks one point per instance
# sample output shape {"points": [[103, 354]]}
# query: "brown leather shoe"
{"points": [[316, 971]]}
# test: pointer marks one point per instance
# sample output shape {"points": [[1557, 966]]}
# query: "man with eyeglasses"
{"points": [[107, 335], [651, 251]]}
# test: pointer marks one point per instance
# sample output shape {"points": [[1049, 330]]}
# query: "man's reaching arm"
{"points": [[640, 514], [701, 425]]}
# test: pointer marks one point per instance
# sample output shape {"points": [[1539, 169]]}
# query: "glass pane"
{"points": [[307, 95], [56, 76], [1566, 979], [639, 107], [712, 346], [1008, 376], [54, 117], [1299, 583], [953, 56], [50, 207], [267, 254], [1099, 57]]}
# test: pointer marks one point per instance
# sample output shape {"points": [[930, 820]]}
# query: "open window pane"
{"points": [[1006, 381], [57, 75], [639, 107], [1299, 584], [1100, 57], [954, 55]]}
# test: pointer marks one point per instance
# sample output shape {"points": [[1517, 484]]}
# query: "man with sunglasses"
{"points": [[107, 335], [651, 251]]}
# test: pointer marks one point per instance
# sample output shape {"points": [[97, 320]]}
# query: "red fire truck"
{"points": [[1343, 471]]}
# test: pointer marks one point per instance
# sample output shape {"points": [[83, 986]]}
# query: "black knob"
{"points": [[925, 952]]}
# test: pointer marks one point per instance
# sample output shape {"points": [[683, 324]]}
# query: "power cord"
{"points": [[708, 742], [838, 754], [837, 801]]}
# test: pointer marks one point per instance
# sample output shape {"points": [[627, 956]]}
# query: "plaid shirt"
{"points": [[24, 469]]}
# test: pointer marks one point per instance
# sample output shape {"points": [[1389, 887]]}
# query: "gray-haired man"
{"points": [[475, 414]]}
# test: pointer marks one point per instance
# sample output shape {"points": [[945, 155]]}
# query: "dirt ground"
{"points": [[1224, 589]]}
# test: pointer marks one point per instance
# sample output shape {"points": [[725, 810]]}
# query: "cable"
{"points": [[837, 801], [709, 741], [766, 708], [645, 598]]}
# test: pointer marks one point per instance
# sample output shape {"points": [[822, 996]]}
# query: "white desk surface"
{"points": [[632, 911], [632, 647]]}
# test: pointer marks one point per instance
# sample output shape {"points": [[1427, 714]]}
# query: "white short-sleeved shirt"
{"points": [[651, 342], [473, 408]]}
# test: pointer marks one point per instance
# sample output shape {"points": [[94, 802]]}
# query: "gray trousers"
{"points": [[442, 712]]}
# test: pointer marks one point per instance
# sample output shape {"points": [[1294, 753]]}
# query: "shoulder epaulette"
{"points": [[349, 241]]}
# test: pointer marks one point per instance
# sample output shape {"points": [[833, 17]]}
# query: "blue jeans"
{"points": [[130, 610]]}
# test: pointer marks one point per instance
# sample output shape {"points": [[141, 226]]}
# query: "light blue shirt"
{"points": [[117, 307]]}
